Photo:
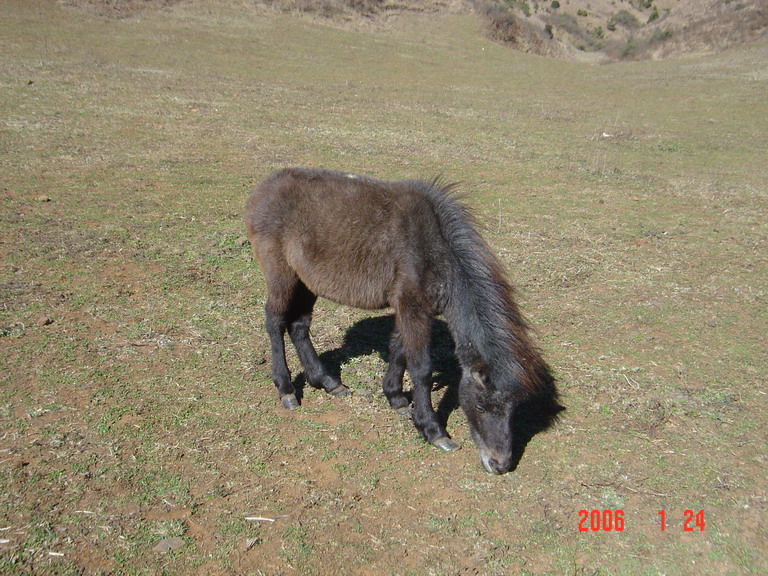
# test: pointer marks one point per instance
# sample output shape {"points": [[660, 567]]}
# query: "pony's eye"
{"points": [[480, 409]]}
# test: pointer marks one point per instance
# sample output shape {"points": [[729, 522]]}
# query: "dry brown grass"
{"points": [[635, 30]]}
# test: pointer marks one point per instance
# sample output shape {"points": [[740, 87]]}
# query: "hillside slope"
{"points": [[640, 29], [595, 29]]}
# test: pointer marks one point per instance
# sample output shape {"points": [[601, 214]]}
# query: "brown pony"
{"points": [[407, 245]]}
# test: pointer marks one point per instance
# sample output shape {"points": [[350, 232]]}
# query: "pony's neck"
{"points": [[478, 302], [475, 316], [491, 336]]}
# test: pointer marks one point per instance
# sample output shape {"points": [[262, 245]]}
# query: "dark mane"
{"points": [[488, 326]]}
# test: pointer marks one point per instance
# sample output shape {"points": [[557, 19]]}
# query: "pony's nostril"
{"points": [[495, 467]]}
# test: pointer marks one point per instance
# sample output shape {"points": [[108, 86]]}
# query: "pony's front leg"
{"points": [[414, 331], [424, 416], [392, 385]]}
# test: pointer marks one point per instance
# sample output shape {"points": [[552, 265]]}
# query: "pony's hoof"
{"points": [[446, 444], [289, 401], [406, 413], [340, 391]]}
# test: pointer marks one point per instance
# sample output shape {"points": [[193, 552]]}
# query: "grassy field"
{"points": [[139, 429]]}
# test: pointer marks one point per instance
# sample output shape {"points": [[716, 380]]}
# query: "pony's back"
{"points": [[350, 239]]}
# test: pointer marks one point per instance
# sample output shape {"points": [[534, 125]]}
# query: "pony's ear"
{"points": [[479, 375]]}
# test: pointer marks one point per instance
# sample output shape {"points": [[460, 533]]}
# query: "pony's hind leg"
{"points": [[281, 376], [281, 286], [289, 309], [301, 316]]}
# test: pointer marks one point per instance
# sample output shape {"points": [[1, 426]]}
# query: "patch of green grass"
{"points": [[297, 543]]}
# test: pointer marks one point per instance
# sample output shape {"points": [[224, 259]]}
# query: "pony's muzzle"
{"points": [[496, 464]]}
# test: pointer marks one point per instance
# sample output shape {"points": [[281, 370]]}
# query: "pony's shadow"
{"points": [[371, 335]]}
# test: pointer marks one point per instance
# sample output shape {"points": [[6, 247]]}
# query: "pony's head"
{"points": [[490, 409]]}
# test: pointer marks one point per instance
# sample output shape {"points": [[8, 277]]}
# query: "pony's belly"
{"points": [[367, 289], [359, 292]]}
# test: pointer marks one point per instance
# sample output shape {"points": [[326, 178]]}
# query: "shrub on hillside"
{"points": [[504, 26], [626, 19], [584, 39], [501, 22], [661, 36]]}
